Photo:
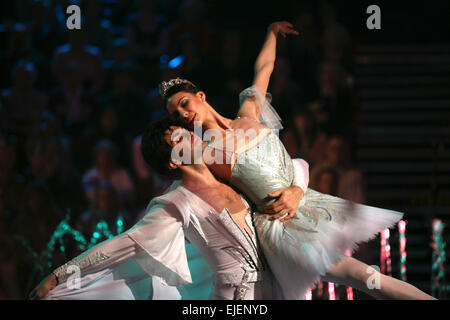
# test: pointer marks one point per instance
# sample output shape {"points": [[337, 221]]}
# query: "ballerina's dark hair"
{"points": [[185, 86]]}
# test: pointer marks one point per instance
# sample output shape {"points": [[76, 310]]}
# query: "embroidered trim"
{"points": [[243, 238], [238, 281], [82, 261]]}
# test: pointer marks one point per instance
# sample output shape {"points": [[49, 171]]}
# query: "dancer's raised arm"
{"points": [[264, 66]]}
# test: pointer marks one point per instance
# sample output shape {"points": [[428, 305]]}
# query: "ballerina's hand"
{"points": [[41, 290], [283, 27], [288, 201]]}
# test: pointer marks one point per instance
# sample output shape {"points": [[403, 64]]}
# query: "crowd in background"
{"points": [[74, 103]]}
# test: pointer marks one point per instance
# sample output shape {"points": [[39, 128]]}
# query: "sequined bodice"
{"points": [[263, 169]]}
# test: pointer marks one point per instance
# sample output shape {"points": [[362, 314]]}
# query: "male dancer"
{"points": [[210, 214]]}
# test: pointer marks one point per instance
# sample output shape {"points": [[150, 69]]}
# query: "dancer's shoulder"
{"points": [[245, 123]]}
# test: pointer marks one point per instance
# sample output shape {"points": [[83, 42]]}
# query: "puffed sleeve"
{"points": [[301, 173], [268, 116], [160, 234]]}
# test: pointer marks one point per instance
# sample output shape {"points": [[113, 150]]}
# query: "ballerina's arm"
{"points": [[264, 66]]}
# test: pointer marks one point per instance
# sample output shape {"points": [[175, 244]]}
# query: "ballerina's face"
{"points": [[188, 107]]}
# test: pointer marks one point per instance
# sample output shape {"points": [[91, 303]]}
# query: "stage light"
{"points": [[402, 248], [175, 62]]}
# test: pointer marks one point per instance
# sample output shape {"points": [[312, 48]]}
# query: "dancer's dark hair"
{"points": [[156, 151]]}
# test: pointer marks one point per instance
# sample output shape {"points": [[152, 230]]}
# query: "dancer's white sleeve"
{"points": [[301, 173], [156, 243], [161, 236]]}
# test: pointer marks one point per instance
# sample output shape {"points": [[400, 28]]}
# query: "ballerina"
{"points": [[304, 234]]}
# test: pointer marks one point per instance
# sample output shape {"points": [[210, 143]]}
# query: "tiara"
{"points": [[165, 86]]}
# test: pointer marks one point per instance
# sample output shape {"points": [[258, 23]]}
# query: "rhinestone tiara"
{"points": [[164, 86]]}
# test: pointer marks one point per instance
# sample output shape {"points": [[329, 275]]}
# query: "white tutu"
{"points": [[311, 250]]}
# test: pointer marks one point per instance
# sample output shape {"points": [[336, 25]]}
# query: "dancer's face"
{"points": [[185, 141], [188, 107]]}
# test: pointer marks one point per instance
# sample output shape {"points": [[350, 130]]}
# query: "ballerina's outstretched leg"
{"points": [[354, 273]]}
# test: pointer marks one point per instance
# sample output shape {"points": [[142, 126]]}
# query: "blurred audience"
{"points": [[105, 209], [325, 179], [351, 183], [303, 139], [99, 33], [148, 38], [106, 168], [71, 101], [285, 92], [335, 39], [87, 56], [193, 21], [23, 103], [336, 109]]}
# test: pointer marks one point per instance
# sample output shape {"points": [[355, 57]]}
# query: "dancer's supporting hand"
{"points": [[288, 201], [283, 27], [41, 290]]}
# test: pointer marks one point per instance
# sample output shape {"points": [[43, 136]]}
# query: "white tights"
{"points": [[354, 273]]}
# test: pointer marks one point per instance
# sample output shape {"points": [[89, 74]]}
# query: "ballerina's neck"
{"points": [[216, 121]]}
